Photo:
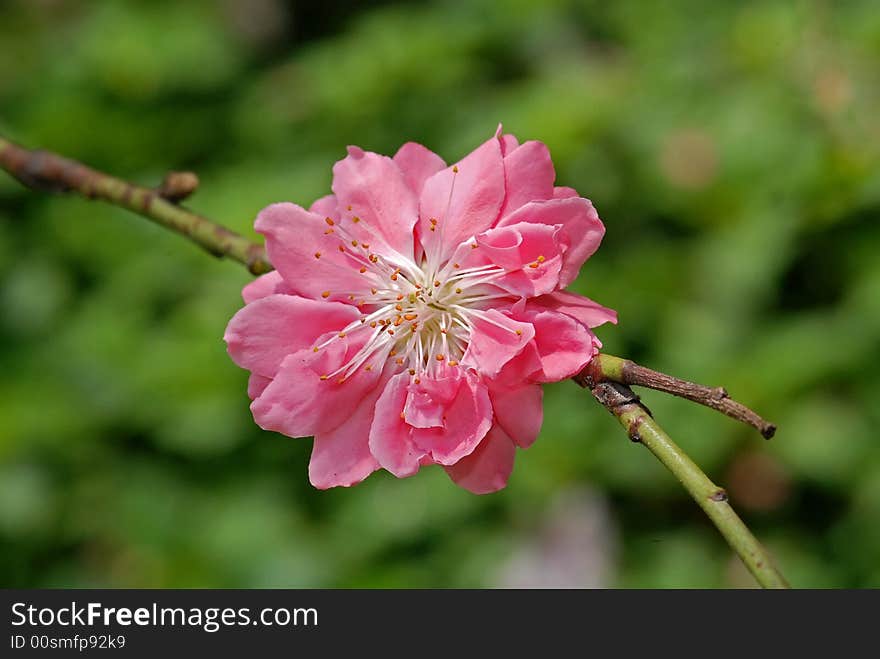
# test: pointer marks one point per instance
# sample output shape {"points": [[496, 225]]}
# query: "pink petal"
{"points": [[564, 345], [466, 420], [262, 286], [426, 402], [309, 259], [375, 189], [519, 412], [298, 403], [418, 164], [390, 436], [495, 340], [530, 253], [563, 192], [265, 331], [463, 199], [488, 468], [257, 385], [341, 457], [525, 367], [508, 143], [529, 176], [591, 314], [582, 227], [326, 207]]}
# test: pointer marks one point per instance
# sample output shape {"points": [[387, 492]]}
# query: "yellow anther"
{"points": [[362, 269], [373, 291], [519, 332], [317, 255], [453, 363], [373, 324], [440, 358], [341, 335], [323, 377], [341, 248], [391, 332], [328, 231], [433, 220], [315, 349], [541, 259], [473, 245], [354, 243], [348, 207], [403, 416], [436, 283], [365, 245], [456, 265], [399, 307], [399, 360], [412, 371], [325, 294], [410, 316], [533, 265], [455, 169], [400, 296], [329, 220], [458, 290], [355, 219], [392, 353], [368, 367]]}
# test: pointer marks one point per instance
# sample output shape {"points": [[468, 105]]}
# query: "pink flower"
{"points": [[415, 312]]}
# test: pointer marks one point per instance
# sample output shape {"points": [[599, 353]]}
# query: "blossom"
{"points": [[415, 312]]}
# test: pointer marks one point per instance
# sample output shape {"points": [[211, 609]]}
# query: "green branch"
{"points": [[48, 172], [606, 376]]}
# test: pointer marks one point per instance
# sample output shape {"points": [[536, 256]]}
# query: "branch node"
{"points": [[177, 186], [719, 495]]}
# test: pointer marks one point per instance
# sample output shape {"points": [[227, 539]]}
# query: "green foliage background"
{"points": [[731, 148]]}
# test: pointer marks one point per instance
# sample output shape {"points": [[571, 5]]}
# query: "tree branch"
{"points": [[620, 400], [49, 172], [607, 377], [608, 368]]}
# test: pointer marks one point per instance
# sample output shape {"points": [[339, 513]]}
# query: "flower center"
{"points": [[418, 317]]}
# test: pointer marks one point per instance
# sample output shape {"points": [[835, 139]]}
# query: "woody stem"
{"points": [[45, 171]]}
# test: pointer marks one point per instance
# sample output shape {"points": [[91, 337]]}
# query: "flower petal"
{"points": [[591, 314], [418, 164], [582, 229], [265, 331], [466, 420], [390, 436], [308, 257], [300, 403], [528, 175], [257, 385], [563, 192], [262, 286], [530, 253], [342, 457], [519, 412], [373, 188], [488, 468], [495, 340], [564, 345], [463, 200], [326, 206]]}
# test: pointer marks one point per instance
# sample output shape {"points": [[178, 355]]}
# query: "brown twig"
{"points": [[49, 172], [607, 368], [641, 427]]}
